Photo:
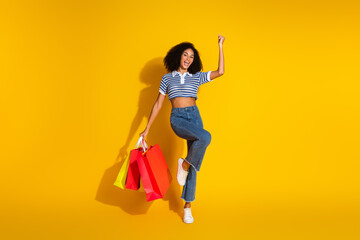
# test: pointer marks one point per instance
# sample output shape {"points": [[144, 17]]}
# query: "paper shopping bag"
{"points": [[154, 172], [151, 189], [159, 168], [121, 177], [133, 174], [123, 173]]}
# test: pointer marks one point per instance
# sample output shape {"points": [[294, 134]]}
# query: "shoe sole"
{"points": [[180, 166], [188, 222]]}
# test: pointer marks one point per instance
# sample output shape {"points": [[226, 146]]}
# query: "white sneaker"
{"points": [[181, 173], [188, 218]]}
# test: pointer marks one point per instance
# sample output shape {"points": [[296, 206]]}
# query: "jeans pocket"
{"points": [[175, 120], [176, 115]]}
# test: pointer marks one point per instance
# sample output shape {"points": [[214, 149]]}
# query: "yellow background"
{"points": [[78, 80]]}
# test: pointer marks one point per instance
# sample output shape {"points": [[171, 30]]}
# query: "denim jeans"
{"points": [[187, 124]]}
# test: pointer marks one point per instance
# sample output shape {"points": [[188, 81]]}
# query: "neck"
{"points": [[182, 70]]}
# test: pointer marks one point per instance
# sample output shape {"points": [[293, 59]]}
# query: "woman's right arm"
{"points": [[154, 112]]}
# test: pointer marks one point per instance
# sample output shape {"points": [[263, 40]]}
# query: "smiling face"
{"points": [[187, 58]]}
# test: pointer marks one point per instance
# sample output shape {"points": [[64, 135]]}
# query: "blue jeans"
{"points": [[187, 124]]}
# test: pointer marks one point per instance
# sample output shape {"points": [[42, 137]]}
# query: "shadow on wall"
{"points": [[134, 202]]}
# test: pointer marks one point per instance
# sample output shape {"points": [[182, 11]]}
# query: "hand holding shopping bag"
{"points": [[149, 164], [129, 176]]}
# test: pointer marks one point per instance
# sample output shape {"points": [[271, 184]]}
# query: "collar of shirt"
{"points": [[175, 72]]}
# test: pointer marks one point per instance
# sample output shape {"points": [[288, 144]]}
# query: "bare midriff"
{"points": [[181, 102]]}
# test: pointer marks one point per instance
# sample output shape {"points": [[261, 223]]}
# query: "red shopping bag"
{"points": [[154, 172], [133, 174]]}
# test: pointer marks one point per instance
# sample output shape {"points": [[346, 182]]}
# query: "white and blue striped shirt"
{"points": [[176, 85]]}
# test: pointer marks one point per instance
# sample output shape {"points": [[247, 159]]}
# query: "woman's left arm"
{"points": [[220, 71]]}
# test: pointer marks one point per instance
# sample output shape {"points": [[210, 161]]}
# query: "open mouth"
{"points": [[186, 64]]}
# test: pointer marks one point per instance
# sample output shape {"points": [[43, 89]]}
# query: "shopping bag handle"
{"points": [[141, 142], [144, 142]]}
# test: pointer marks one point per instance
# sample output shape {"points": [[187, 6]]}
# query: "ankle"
{"points": [[185, 165]]}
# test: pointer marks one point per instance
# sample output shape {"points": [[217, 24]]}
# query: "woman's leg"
{"points": [[189, 190], [188, 193], [188, 125], [200, 140], [185, 164]]}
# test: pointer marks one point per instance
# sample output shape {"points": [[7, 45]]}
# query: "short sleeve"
{"points": [[204, 77], [163, 85]]}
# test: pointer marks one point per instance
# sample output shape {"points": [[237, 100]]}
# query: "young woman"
{"points": [[181, 83]]}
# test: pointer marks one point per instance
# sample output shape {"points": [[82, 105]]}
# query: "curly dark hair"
{"points": [[172, 59]]}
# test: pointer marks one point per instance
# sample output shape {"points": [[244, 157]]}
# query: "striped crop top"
{"points": [[176, 85]]}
